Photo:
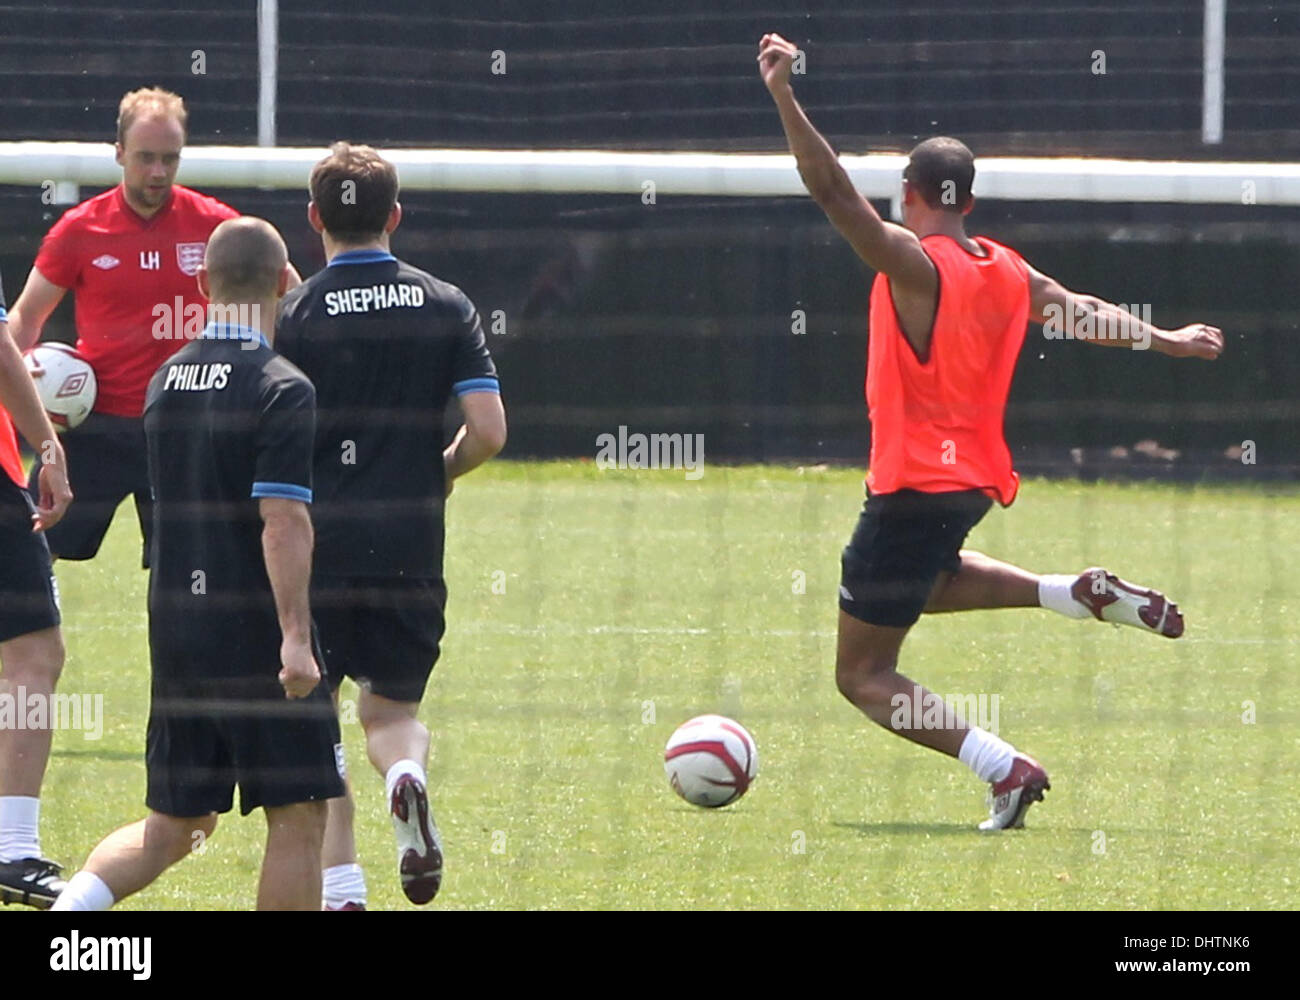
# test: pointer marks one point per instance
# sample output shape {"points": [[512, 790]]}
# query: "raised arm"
{"points": [[1088, 318], [286, 546], [884, 246], [37, 301]]}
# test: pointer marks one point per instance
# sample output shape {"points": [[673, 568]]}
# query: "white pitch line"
{"points": [[136, 624], [633, 630]]}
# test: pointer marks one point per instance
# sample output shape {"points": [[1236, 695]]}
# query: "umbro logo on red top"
{"points": [[106, 262]]}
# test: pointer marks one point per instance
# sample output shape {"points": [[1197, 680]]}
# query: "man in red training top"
{"points": [[130, 256], [948, 317]]}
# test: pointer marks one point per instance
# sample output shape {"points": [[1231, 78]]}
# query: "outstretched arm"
{"points": [[1088, 318], [884, 246]]}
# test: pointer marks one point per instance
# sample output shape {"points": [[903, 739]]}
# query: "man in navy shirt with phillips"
{"points": [[236, 692]]}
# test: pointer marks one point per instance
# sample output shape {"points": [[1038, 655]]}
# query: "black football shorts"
{"points": [[109, 463], [29, 600], [382, 632], [902, 542], [207, 734]]}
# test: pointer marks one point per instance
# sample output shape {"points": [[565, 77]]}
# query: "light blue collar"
{"points": [[361, 257], [232, 331]]}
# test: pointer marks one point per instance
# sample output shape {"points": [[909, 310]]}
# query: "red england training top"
{"points": [[136, 294], [936, 425]]}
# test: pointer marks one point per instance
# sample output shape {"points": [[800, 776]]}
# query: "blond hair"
{"points": [[148, 102]]}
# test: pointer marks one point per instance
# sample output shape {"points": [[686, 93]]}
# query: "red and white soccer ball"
{"points": [[68, 387], [711, 760]]}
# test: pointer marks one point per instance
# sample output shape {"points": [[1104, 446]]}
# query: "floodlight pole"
{"points": [[1212, 102], [268, 19]]}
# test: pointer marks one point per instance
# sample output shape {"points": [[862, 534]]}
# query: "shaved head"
{"points": [[942, 171], [244, 260]]}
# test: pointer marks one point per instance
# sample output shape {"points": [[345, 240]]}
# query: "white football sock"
{"points": [[20, 816], [84, 891], [342, 884], [400, 768], [1054, 594], [987, 755]]}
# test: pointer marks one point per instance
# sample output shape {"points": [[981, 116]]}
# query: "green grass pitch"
{"points": [[592, 612]]}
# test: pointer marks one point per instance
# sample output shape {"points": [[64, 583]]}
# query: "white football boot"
{"points": [[1111, 599], [419, 848], [1014, 794]]}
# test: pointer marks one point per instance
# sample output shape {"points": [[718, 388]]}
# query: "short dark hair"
{"points": [[942, 171], [354, 189]]}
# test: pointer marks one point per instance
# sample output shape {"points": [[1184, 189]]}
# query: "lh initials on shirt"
{"points": [[150, 260]]}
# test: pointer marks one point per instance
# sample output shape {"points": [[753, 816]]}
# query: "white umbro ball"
{"points": [[68, 387], [711, 760]]}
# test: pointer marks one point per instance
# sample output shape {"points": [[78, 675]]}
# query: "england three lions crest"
{"points": [[189, 257]]}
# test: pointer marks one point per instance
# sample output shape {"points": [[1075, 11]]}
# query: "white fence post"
{"points": [[1212, 101], [268, 44]]}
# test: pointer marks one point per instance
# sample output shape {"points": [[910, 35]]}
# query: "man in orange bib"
{"points": [[948, 317]]}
